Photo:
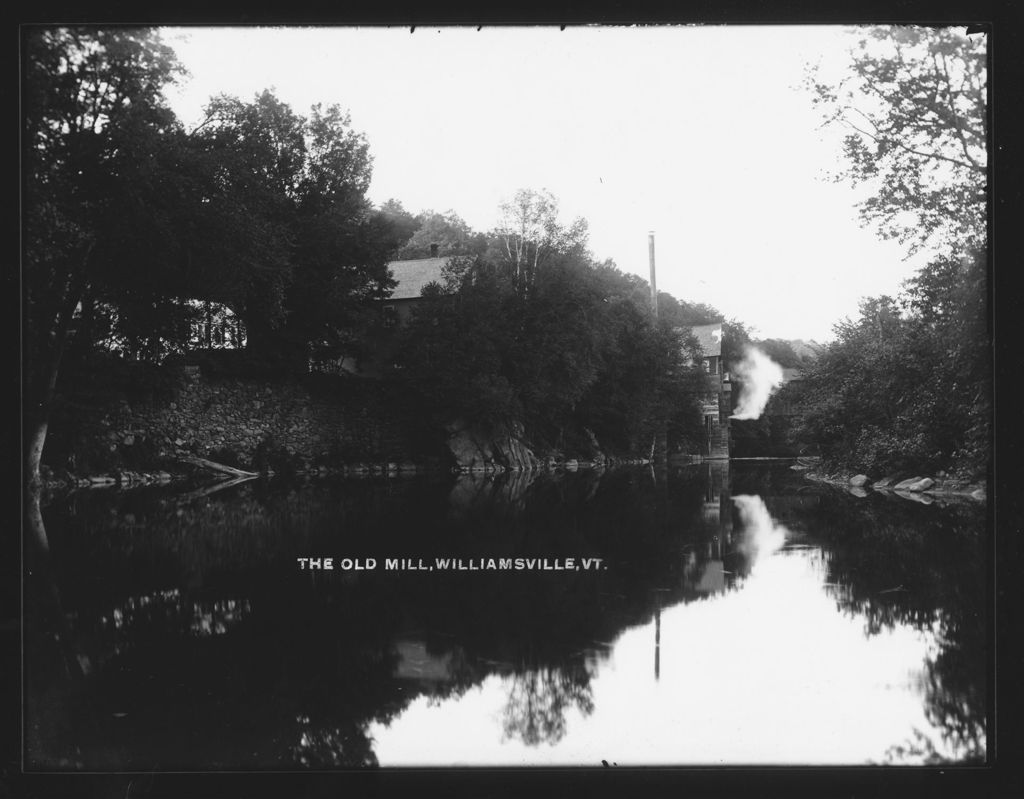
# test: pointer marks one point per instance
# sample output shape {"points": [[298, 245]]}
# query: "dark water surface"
{"points": [[743, 616]]}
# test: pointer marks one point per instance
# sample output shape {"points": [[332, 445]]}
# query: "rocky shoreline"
{"points": [[916, 488], [133, 479]]}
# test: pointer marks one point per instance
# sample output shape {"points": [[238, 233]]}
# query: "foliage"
{"points": [[529, 234], [781, 352], [915, 114], [906, 386], [448, 231], [564, 346], [131, 219], [303, 181]]}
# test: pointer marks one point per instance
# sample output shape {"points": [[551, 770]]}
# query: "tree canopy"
{"points": [[130, 218], [448, 232], [914, 111], [566, 345], [907, 384]]}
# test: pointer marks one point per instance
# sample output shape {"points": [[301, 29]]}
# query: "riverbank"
{"points": [[915, 487], [185, 472]]}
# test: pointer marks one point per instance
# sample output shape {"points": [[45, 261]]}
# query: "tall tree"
{"points": [[914, 111], [93, 163], [907, 384], [300, 183], [529, 232]]}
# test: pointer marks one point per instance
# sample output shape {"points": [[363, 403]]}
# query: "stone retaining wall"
{"points": [[208, 415]]}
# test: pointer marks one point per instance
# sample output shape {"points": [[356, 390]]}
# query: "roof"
{"points": [[710, 338], [789, 374], [413, 275]]}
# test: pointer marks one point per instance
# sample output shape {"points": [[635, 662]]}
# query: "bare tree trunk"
{"points": [[45, 387], [34, 453]]}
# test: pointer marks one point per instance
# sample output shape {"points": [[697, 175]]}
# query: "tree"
{"points": [[93, 168], [915, 114], [448, 231], [907, 384], [573, 353], [299, 183], [780, 351], [529, 232]]}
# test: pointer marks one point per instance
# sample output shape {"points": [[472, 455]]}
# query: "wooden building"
{"points": [[716, 405]]}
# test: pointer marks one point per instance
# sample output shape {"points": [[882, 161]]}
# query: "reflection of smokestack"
{"points": [[654, 285]]}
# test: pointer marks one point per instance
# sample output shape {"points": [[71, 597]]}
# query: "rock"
{"points": [[858, 491], [921, 485], [859, 480], [885, 482], [979, 493], [572, 465], [924, 499], [904, 485]]}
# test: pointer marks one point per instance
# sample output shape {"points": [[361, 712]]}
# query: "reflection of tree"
{"points": [[955, 698], [538, 700], [897, 563], [53, 670], [323, 747], [298, 665]]}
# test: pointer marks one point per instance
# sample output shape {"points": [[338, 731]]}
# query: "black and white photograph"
{"points": [[457, 397]]}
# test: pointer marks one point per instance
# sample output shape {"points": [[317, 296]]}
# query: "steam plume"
{"points": [[760, 376]]}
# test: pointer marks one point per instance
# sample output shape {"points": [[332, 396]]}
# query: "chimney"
{"points": [[654, 285], [433, 251]]}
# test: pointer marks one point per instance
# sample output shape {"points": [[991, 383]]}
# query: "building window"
{"points": [[390, 316]]}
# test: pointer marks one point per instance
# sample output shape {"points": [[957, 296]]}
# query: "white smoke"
{"points": [[760, 376]]}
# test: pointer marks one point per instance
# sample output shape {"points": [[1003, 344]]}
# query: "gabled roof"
{"points": [[413, 275], [710, 338]]}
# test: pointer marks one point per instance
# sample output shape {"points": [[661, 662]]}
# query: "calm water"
{"points": [[742, 616]]}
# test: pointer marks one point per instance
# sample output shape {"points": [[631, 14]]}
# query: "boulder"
{"points": [[858, 491], [921, 485], [924, 499], [885, 482], [859, 480], [904, 485]]}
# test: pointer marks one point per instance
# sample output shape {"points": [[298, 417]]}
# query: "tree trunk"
{"points": [[41, 390], [34, 453]]}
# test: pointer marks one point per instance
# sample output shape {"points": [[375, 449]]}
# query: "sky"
{"points": [[702, 134]]}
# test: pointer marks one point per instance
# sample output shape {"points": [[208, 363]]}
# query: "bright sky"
{"points": [[701, 134]]}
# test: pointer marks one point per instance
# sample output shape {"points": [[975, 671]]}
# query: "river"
{"points": [[729, 613]]}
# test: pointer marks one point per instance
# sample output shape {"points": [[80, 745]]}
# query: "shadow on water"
{"points": [[198, 642]]}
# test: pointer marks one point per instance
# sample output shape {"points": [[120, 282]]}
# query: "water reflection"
{"points": [[736, 604]]}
